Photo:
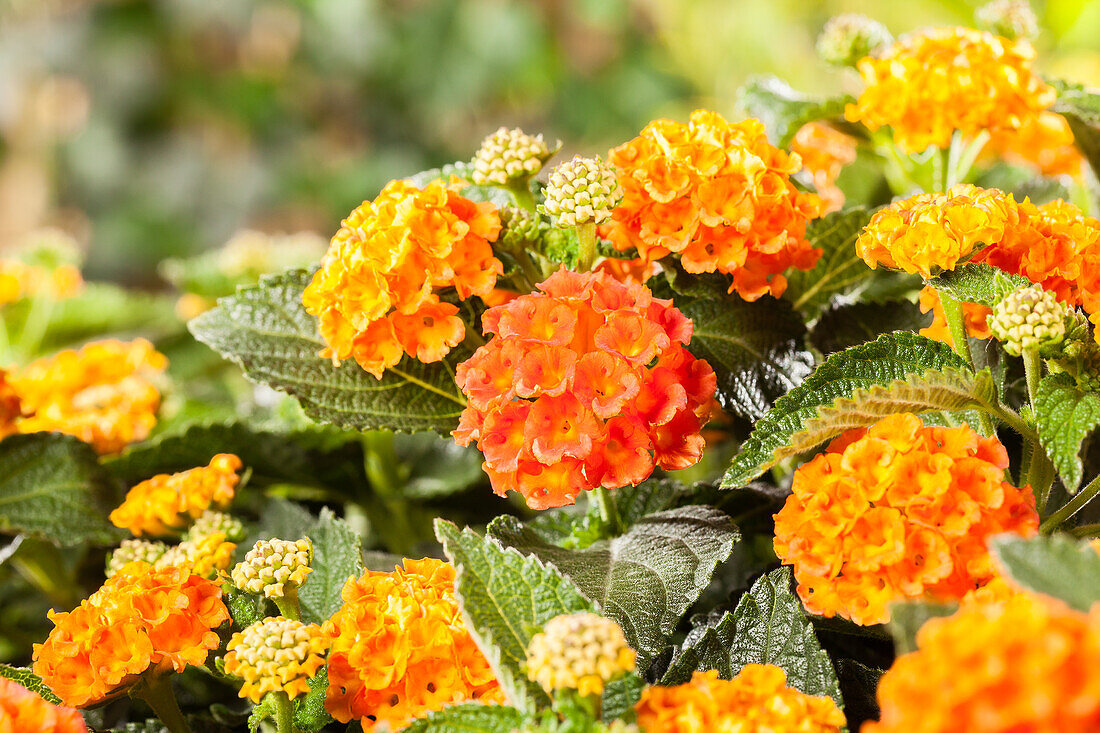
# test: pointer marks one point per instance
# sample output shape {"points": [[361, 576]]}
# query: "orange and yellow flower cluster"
{"points": [[898, 511], [586, 384], [21, 280], [377, 292], [104, 393], [824, 151], [719, 196], [22, 711], [1024, 664], [141, 618], [11, 407], [166, 503], [757, 700], [399, 650]]}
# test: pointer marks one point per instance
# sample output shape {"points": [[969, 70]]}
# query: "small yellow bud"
{"points": [[579, 651], [274, 567], [582, 191], [508, 155], [134, 550], [276, 654]]}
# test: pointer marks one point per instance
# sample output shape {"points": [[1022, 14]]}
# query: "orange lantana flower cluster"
{"points": [[104, 393], [757, 700], [719, 196], [898, 511], [938, 80], [1027, 663], [166, 503], [824, 151], [398, 648], [140, 618], [21, 280], [377, 292], [22, 711], [586, 384]]}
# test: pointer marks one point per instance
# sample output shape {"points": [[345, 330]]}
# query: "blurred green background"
{"points": [[157, 128]]}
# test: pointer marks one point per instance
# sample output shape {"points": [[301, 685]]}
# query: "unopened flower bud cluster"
{"points": [[272, 567], [1029, 318], [579, 651], [1012, 19], [275, 654], [507, 155], [212, 522], [847, 38], [582, 191], [135, 551], [520, 227]]}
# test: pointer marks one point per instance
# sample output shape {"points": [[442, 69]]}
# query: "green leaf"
{"points": [[23, 677], [52, 486], [619, 698], [1064, 417], [768, 626], [1055, 565], [266, 709], [906, 619], [645, 579], [784, 111], [337, 557], [437, 466], [1081, 108], [851, 324], [244, 608], [506, 598], [267, 331], [470, 717], [839, 271], [977, 282], [891, 357], [309, 711]]}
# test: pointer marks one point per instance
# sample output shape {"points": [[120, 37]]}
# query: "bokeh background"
{"points": [[150, 129]]}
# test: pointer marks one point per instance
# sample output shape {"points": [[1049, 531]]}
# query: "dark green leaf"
{"points": [[1064, 417], [337, 557], [244, 608], [1055, 565], [851, 324], [977, 282], [309, 711], [28, 679], [470, 717], [839, 271], [437, 466], [619, 698], [906, 619], [1081, 108], [52, 486], [784, 111]]}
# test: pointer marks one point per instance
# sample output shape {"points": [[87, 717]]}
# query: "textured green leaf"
{"points": [[266, 709], [645, 579], [437, 466], [28, 679], [977, 282], [839, 271], [267, 331], [506, 597], [768, 626], [619, 698], [309, 711], [52, 486], [783, 110], [906, 619], [890, 357], [1081, 108], [469, 717], [337, 557], [1055, 565], [851, 324], [1064, 417], [244, 608]]}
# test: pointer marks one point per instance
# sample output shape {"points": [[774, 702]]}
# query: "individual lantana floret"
{"points": [[22, 711], [212, 522], [1029, 662], [276, 655], [579, 651], [376, 676], [975, 317], [824, 151], [931, 232], [849, 37], [134, 551], [899, 511], [938, 81], [105, 393], [581, 191], [140, 619], [11, 406], [1011, 19], [206, 555], [757, 700], [274, 568], [587, 383], [717, 195], [166, 503], [508, 155], [377, 294], [1029, 318]]}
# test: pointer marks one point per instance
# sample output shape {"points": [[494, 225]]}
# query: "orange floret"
{"points": [[377, 292], [166, 503], [104, 393], [719, 196], [1024, 664], [975, 317], [141, 618], [22, 711], [937, 81], [398, 648], [11, 407], [824, 151], [931, 232], [1044, 141], [757, 700], [895, 512], [587, 383]]}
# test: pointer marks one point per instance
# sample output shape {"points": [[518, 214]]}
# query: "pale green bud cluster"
{"points": [[212, 522], [135, 551], [520, 227], [847, 38], [1029, 318], [1012, 19], [274, 567], [579, 651], [582, 191], [508, 155]]}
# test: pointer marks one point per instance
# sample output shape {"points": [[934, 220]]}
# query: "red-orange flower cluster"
{"points": [[399, 649], [1026, 663], [140, 618], [376, 294], [719, 196], [22, 711], [586, 384], [898, 511]]}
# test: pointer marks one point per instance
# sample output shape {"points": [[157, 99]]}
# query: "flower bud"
{"points": [[579, 651], [582, 191], [520, 227], [1012, 19], [134, 550], [509, 155], [205, 555], [847, 38], [275, 654], [212, 522], [274, 567], [1029, 318]]}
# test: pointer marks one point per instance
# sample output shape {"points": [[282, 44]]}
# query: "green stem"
{"points": [[953, 314], [1033, 370], [284, 713], [521, 191], [34, 328], [1040, 473], [387, 510], [970, 154], [1074, 505], [950, 174], [586, 250], [609, 513], [288, 605], [1086, 530], [157, 693]]}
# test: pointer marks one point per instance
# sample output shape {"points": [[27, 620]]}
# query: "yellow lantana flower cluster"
{"points": [[274, 567], [164, 504], [276, 654], [579, 651]]}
